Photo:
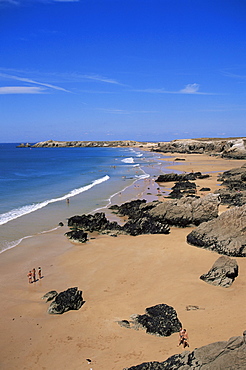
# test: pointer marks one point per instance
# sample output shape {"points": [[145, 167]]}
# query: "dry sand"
{"points": [[119, 277]]}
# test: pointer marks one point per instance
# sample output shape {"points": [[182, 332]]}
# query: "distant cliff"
{"points": [[66, 144], [233, 148]]}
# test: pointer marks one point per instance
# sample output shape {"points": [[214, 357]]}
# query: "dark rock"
{"points": [[224, 355], [128, 208], [146, 225], [50, 295], [234, 182], [179, 159], [71, 299], [174, 177], [205, 189], [97, 222], [160, 320], [184, 185], [223, 272], [231, 197], [187, 210], [182, 188], [61, 224], [225, 235], [77, 235]]}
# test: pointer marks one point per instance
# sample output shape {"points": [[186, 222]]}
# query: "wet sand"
{"points": [[119, 277]]}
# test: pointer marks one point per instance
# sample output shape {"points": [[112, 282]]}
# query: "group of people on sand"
{"points": [[32, 275]]}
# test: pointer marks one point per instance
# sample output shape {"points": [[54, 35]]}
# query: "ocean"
{"points": [[35, 184]]}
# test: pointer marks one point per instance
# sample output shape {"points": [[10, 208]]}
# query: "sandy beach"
{"points": [[119, 277]]}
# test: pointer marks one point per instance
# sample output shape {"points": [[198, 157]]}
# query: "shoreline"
{"points": [[119, 277]]}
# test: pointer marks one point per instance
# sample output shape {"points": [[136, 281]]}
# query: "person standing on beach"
{"points": [[33, 275], [183, 338], [39, 273], [29, 275]]}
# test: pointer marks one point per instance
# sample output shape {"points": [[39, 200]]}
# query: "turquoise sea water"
{"points": [[35, 183]]}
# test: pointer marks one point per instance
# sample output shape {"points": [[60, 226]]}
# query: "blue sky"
{"points": [[153, 70]]}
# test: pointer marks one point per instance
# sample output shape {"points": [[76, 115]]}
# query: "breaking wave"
{"points": [[24, 210]]}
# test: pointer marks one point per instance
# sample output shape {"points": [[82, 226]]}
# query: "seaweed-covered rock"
{"points": [[225, 235], [222, 273], [92, 222], [146, 225], [128, 208], [77, 235], [182, 188], [70, 299], [160, 320], [226, 355], [174, 177]]}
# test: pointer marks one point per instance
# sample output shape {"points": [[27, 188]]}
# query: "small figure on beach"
{"points": [[29, 275], [183, 338], [33, 275], [39, 273], [67, 200]]}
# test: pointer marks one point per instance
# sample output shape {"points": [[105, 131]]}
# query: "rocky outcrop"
{"points": [[69, 144], [160, 320], [224, 355], [234, 183], [227, 148], [183, 212], [147, 218], [174, 177], [222, 273], [22, 145], [70, 299], [188, 210], [225, 235]]}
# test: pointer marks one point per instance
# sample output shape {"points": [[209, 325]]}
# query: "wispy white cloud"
{"points": [[30, 81], [97, 78], [190, 89], [234, 75], [123, 111], [21, 90]]}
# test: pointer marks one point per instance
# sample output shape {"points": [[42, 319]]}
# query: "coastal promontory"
{"points": [[231, 148]]}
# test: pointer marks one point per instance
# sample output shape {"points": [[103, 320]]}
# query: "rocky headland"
{"points": [[233, 148]]}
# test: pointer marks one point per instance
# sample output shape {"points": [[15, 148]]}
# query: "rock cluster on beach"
{"points": [[222, 273], [70, 299], [229, 354], [160, 320], [225, 234], [233, 181], [148, 218]]}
